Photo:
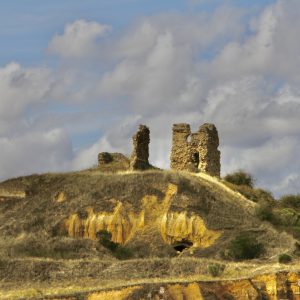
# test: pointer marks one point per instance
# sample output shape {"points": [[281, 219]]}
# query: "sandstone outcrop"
{"points": [[123, 224], [196, 152], [140, 155], [12, 193], [283, 285]]}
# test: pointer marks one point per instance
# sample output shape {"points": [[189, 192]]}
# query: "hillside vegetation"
{"points": [[91, 226]]}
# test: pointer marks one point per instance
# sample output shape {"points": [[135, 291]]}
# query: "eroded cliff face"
{"points": [[120, 223], [283, 285], [123, 223], [176, 227]]}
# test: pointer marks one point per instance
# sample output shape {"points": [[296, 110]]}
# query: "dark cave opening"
{"points": [[182, 245]]}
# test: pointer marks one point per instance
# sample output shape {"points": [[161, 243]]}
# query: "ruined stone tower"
{"points": [[196, 152], [180, 156], [208, 150], [139, 159]]}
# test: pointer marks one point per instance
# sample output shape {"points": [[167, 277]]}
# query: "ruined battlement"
{"points": [[105, 158], [139, 159], [194, 152]]}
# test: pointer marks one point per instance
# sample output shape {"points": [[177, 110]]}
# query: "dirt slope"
{"points": [[50, 226]]}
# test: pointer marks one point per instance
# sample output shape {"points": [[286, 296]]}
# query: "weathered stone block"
{"points": [[140, 155], [104, 158], [196, 152]]}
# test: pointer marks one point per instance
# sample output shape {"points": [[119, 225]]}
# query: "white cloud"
{"points": [[202, 67], [116, 139], [78, 40], [20, 87], [35, 151], [271, 49]]}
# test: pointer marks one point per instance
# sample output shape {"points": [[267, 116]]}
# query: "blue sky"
{"points": [[77, 77], [28, 25]]}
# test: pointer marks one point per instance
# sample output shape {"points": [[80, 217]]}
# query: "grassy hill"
{"points": [[90, 229]]}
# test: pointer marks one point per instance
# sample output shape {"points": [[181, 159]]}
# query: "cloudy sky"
{"points": [[77, 77]]}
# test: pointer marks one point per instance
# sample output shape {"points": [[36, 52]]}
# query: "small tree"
{"points": [[240, 177]]}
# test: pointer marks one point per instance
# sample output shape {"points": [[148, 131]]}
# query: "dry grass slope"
{"points": [[48, 237]]}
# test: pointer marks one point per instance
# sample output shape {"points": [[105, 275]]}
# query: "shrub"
{"points": [[105, 240], [122, 253], [116, 249], [215, 269], [292, 201], [264, 212], [240, 178], [245, 247], [284, 258], [287, 217]]}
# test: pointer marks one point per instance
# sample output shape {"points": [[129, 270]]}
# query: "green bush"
{"points": [[104, 238], [215, 269], [245, 247], [264, 213], [240, 178], [292, 201], [263, 196], [284, 258], [122, 253], [287, 217], [116, 249]]}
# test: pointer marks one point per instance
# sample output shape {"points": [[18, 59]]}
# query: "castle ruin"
{"points": [[139, 159], [196, 152]]}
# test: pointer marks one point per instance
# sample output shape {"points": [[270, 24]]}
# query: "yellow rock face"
{"points": [[241, 290], [269, 283], [178, 227], [182, 292], [60, 197], [109, 295], [122, 223], [12, 194]]}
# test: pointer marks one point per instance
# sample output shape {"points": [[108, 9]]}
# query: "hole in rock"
{"points": [[195, 159], [180, 246]]}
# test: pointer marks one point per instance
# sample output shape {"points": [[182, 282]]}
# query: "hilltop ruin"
{"points": [[139, 159], [194, 152]]}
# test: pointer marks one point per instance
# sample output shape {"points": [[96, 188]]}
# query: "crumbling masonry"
{"points": [[196, 152], [139, 159]]}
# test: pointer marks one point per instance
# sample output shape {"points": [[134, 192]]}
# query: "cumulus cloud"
{"points": [[116, 139], [21, 87], [35, 152], [78, 40], [158, 59], [238, 81], [226, 67], [25, 147]]}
